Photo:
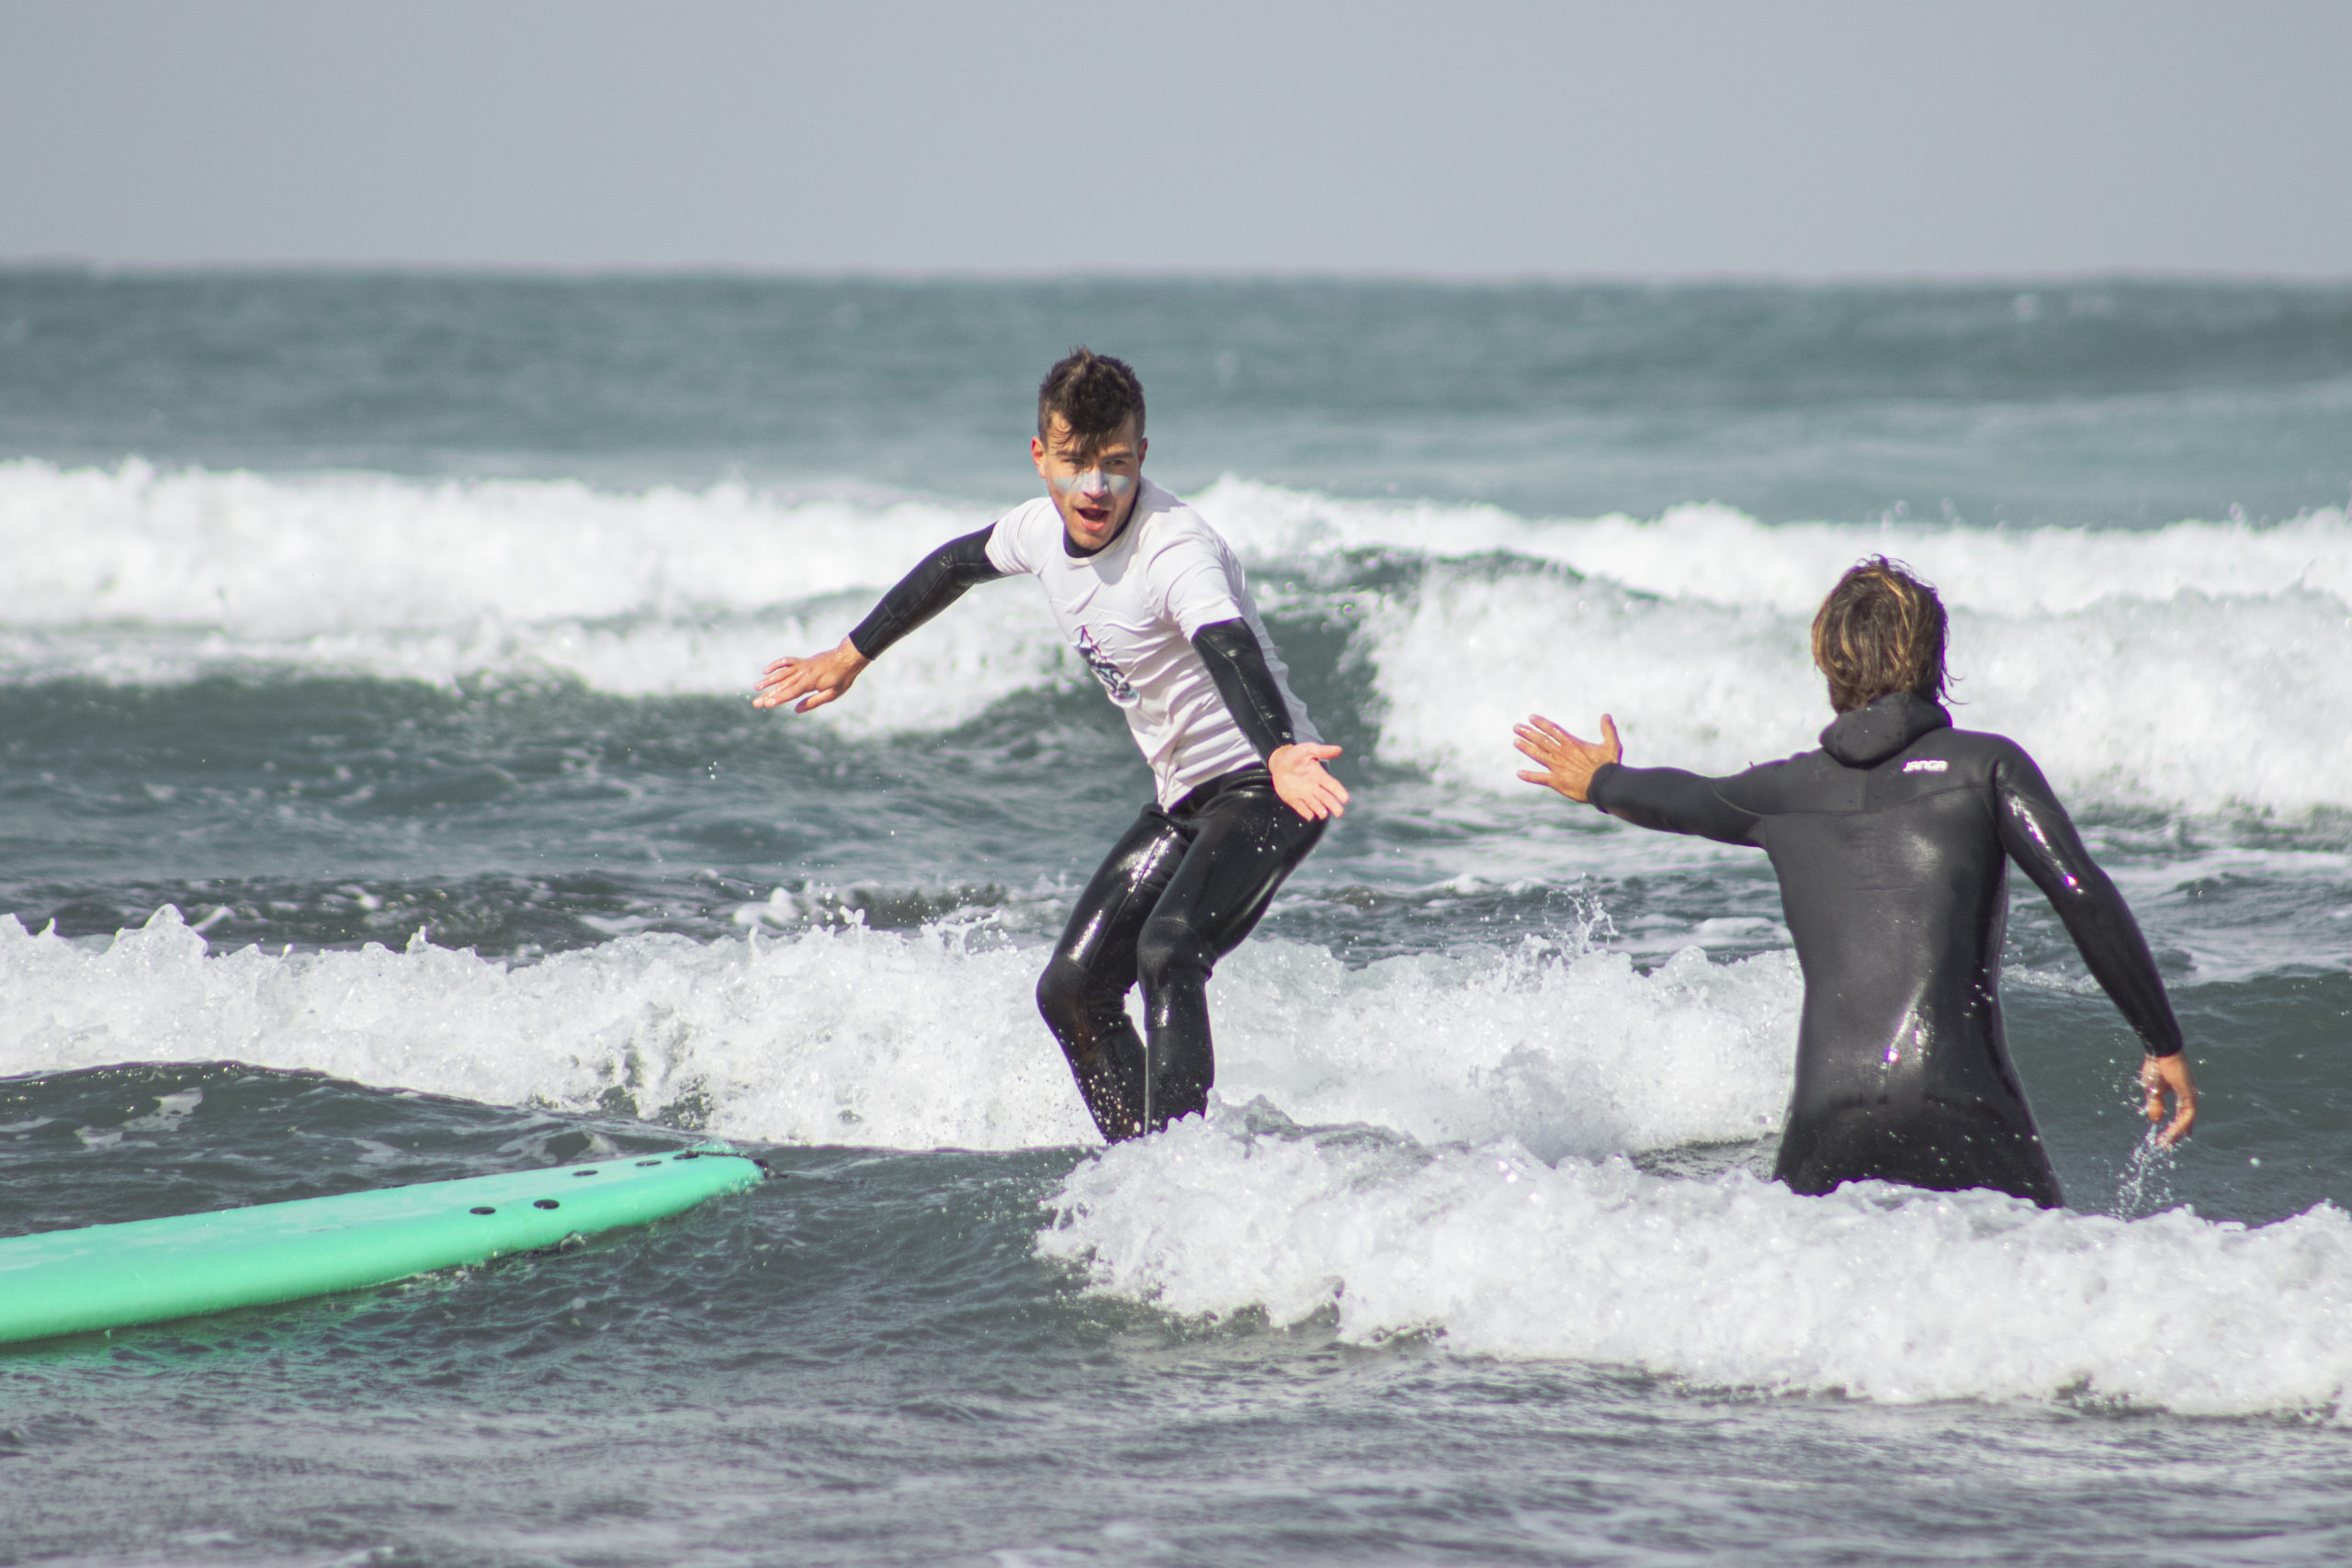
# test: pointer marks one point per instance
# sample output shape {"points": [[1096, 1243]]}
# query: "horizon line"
{"points": [[1431, 278]]}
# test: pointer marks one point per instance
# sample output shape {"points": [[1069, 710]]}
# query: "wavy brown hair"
{"points": [[1879, 631]]}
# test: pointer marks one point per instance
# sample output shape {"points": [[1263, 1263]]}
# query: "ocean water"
{"points": [[381, 801]]}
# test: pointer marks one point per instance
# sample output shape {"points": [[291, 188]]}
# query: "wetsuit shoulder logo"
{"points": [[1114, 679], [1925, 765]]}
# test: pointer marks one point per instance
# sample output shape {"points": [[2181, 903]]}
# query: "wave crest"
{"points": [[1873, 1292], [930, 1039], [2186, 668]]}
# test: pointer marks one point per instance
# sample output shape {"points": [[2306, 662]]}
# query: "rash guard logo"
{"points": [[1925, 765], [1114, 682]]}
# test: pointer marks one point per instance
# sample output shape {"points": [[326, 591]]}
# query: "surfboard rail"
{"points": [[115, 1276]]}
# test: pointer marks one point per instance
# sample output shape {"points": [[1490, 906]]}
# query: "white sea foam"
{"points": [[2192, 667], [1880, 1292], [1718, 554], [1433, 1213], [1566, 1052], [2206, 704], [282, 559], [927, 1040], [836, 1037], [138, 577]]}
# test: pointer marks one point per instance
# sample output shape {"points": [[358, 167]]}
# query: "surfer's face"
{"points": [[1093, 483]]}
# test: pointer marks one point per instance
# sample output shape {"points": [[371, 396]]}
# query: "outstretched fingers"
{"points": [[814, 681], [782, 680], [778, 690], [1304, 784], [1567, 761], [1542, 729], [1542, 740]]}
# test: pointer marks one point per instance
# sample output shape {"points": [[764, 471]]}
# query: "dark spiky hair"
{"points": [[1093, 393]]}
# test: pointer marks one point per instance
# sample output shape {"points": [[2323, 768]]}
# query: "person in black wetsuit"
{"points": [[1890, 844], [1155, 603]]}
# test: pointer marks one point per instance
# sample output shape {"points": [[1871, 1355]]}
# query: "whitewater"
{"points": [[2189, 668], [1470, 1184], [381, 801]]}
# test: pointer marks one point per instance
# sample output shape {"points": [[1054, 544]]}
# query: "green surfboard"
{"points": [[147, 1271]]}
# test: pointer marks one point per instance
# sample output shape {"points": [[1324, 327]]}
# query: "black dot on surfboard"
{"points": [[545, 1203], [590, 1171], [483, 1209]]}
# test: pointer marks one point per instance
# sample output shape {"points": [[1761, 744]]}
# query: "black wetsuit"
{"points": [[1178, 892], [1890, 844]]}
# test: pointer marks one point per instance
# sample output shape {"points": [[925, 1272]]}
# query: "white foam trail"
{"points": [[1717, 555], [992, 649], [282, 559], [1875, 1291], [2192, 667], [928, 1039], [1566, 1052], [2211, 704], [834, 1037], [134, 576]]}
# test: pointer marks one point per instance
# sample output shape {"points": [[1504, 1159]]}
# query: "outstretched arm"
{"points": [[816, 679], [1238, 664], [1568, 763], [1667, 799], [937, 581], [2038, 834]]}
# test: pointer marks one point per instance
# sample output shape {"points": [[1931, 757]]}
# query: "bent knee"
{"points": [[1061, 989], [1170, 949], [1068, 992]]}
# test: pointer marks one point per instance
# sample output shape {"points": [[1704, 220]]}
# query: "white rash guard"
{"points": [[1131, 609]]}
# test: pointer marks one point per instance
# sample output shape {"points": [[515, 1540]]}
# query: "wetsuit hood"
{"points": [[1869, 736]]}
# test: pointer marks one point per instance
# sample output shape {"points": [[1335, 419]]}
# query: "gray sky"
{"points": [[1473, 137]]}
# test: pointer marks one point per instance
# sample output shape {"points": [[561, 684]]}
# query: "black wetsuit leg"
{"points": [[1084, 988], [1178, 892]]}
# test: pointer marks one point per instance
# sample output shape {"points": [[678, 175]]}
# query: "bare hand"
{"points": [[2160, 1074], [816, 681], [1302, 784], [1568, 763]]}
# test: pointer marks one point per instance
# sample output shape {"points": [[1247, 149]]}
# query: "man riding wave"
{"points": [[1154, 602]]}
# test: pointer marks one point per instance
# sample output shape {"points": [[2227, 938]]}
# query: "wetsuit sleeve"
{"points": [[1238, 665], [2040, 837], [937, 581], [1673, 802]]}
